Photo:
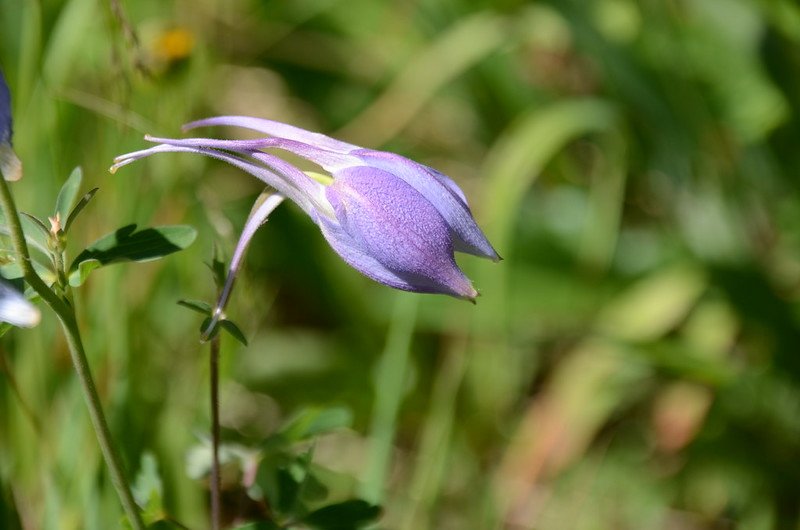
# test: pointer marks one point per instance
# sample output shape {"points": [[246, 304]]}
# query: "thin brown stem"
{"points": [[216, 483]]}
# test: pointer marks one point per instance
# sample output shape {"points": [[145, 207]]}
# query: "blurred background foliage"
{"points": [[633, 363]]}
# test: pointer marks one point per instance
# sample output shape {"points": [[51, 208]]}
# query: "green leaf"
{"points": [[79, 207], [313, 421], [78, 276], [288, 490], [199, 306], [13, 271], [279, 480], [34, 234], [68, 193], [204, 308], [345, 515], [313, 489], [38, 223], [126, 244], [233, 330]]}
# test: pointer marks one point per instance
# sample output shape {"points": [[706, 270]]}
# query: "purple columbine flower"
{"points": [[392, 219], [10, 166]]}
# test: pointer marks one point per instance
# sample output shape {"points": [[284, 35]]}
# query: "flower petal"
{"points": [[305, 192], [393, 223], [442, 192], [334, 155], [15, 308], [275, 128], [352, 253]]}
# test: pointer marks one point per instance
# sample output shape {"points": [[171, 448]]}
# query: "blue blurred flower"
{"points": [[393, 219], [10, 166], [15, 308]]}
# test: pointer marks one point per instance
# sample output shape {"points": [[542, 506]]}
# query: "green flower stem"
{"points": [[112, 458], [390, 384], [66, 315]]}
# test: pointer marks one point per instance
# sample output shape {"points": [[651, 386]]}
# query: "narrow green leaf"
{"points": [[313, 421], [78, 276], [224, 323], [68, 193], [34, 234], [126, 244], [233, 330], [12, 270], [350, 514], [199, 306], [79, 207], [38, 223]]}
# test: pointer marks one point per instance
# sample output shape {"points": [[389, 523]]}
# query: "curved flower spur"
{"points": [[392, 219]]}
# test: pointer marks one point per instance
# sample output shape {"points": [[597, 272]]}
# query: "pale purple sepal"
{"points": [[303, 191], [442, 192], [276, 128], [334, 156], [404, 239]]}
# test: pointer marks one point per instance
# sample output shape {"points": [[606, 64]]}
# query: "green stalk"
{"points": [[66, 316], [390, 379], [436, 441]]}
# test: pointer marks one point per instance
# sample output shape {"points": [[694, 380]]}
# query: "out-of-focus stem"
{"points": [[216, 485], [101, 429]]}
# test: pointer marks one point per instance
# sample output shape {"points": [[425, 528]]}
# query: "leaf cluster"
{"points": [[274, 485]]}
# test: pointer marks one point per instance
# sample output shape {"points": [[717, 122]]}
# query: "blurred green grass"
{"points": [[632, 363]]}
